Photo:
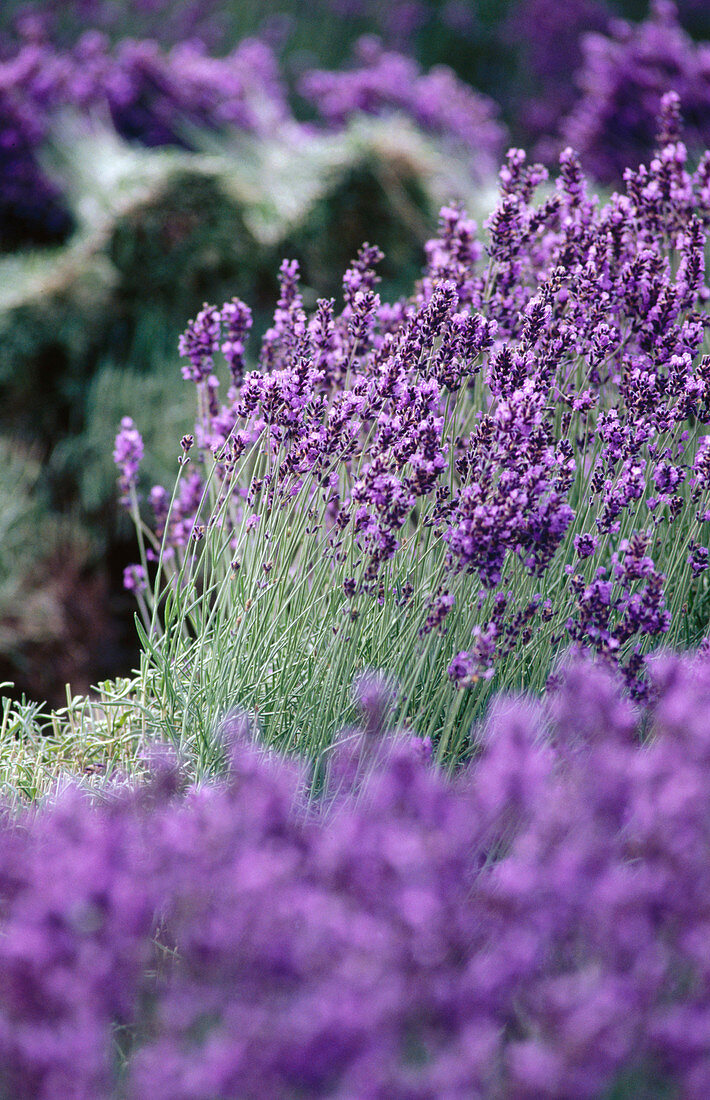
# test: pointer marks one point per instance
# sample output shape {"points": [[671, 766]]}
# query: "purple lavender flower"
{"points": [[697, 558], [585, 544], [200, 343], [440, 608], [134, 579], [127, 455], [237, 321]]}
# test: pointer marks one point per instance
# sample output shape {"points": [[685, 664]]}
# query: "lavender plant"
{"points": [[535, 926], [450, 487], [32, 209], [548, 41], [385, 81], [622, 79]]}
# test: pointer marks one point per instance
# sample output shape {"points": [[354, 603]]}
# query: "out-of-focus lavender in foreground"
{"points": [[536, 925]]}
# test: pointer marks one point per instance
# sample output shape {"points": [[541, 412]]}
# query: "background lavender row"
{"points": [[606, 113]]}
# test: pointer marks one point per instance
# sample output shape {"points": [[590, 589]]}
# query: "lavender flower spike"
{"points": [[127, 455]]}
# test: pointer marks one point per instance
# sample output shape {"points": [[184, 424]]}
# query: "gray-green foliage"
{"points": [[95, 742]]}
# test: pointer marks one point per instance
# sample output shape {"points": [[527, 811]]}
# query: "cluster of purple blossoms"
{"points": [[614, 607], [385, 82], [623, 76], [534, 926], [151, 94], [134, 579], [538, 401]]}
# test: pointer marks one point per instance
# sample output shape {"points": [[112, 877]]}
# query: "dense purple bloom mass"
{"points": [[535, 926], [151, 94], [548, 39]]}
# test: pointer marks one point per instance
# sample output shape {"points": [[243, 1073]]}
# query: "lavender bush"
{"points": [[386, 82], [150, 94], [450, 487], [146, 94], [534, 927], [622, 79], [581, 59]]}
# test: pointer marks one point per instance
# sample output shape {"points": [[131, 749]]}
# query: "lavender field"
{"points": [[354, 550]]}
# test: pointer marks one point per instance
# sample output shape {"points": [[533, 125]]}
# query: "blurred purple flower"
{"points": [[437, 101], [535, 922]]}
